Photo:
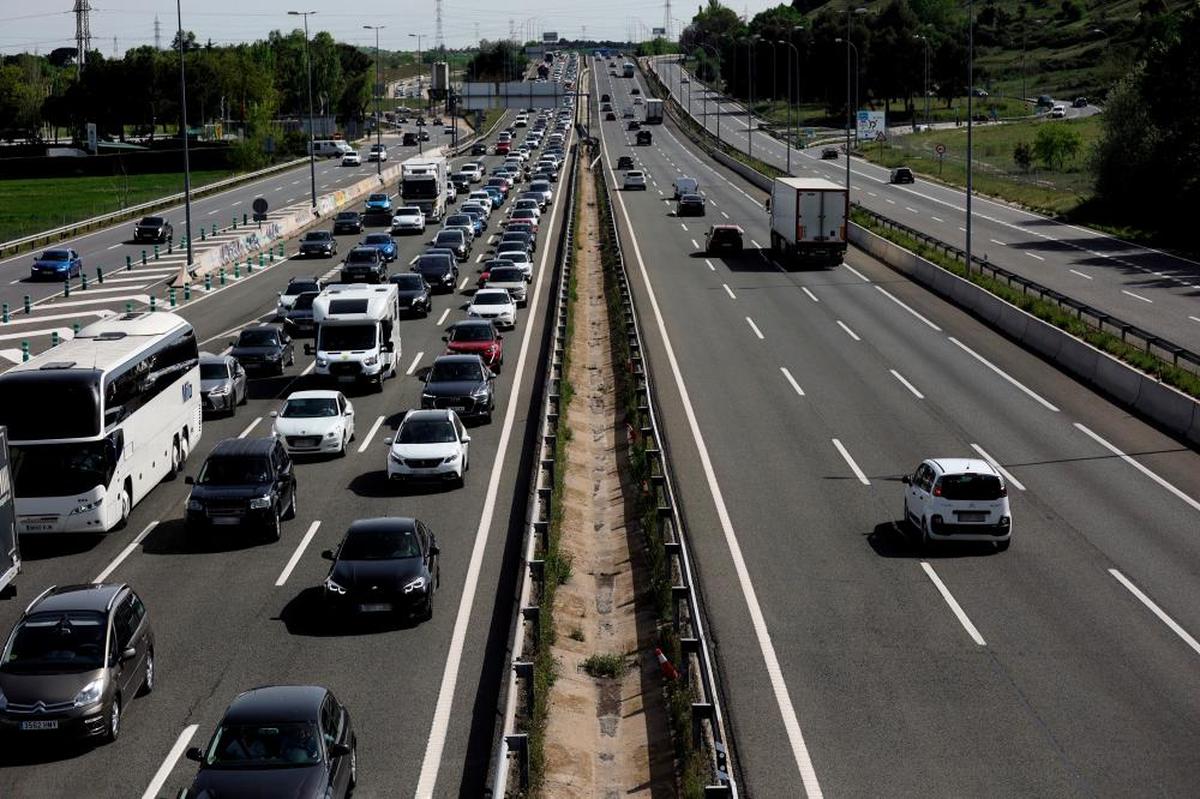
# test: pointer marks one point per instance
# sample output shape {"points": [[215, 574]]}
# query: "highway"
{"points": [[854, 663], [109, 247], [1151, 289], [230, 617]]}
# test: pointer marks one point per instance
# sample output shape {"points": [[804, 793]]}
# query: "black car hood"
{"points": [[27, 689], [300, 782], [408, 295], [454, 388], [241, 352], [434, 272], [245, 491], [385, 575]]}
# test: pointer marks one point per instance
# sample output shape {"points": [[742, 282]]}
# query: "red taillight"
{"points": [[937, 490]]}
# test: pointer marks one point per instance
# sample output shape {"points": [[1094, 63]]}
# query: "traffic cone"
{"points": [[668, 670]]}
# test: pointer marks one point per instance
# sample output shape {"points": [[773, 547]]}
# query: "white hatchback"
{"points": [[429, 444], [352, 159], [958, 499], [315, 422], [634, 180]]}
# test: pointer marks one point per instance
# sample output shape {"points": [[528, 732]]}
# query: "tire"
{"points": [[176, 460], [274, 528], [112, 729], [341, 454], [461, 480], [291, 511], [353, 765], [126, 509], [148, 676], [924, 534], [427, 611]]}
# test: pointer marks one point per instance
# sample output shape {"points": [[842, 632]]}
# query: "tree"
{"points": [[189, 41], [1023, 155], [1056, 143], [497, 61]]}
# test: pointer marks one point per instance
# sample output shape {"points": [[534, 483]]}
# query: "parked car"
{"points": [[476, 337], [958, 499], [318, 242], [902, 174], [315, 422], [429, 444], [74, 661], [364, 265], [222, 383], [60, 263], [386, 565], [408, 219], [384, 243], [723, 237], [244, 482], [263, 348], [279, 740], [295, 287], [347, 222], [462, 383], [153, 228]]}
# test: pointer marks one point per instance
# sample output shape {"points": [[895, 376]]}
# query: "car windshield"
{"points": [[231, 470], [318, 235], [305, 301], [350, 216], [450, 237], [62, 643], [299, 287], [453, 371], [468, 332], [432, 265], [506, 275], [408, 211], [539, 185], [426, 431], [258, 338], [457, 220], [214, 371], [377, 198], [310, 408], [380, 545], [152, 221], [264, 746], [341, 338], [378, 238], [491, 298], [362, 256], [971, 486], [56, 255], [407, 282], [516, 256]]}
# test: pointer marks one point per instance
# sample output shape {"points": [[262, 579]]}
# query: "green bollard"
{"points": [[128, 263], [249, 267], [27, 304], [100, 275], [171, 295], [222, 276], [83, 281], [202, 234], [214, 228], [143, 257], [24, 351], [243, 220], [260, 260], [208, 282], [5, 316], [54, 338], [282, 252], [67, 288], [156, 252], [187, 292], [129, 307], [233, 223], [170, 246], [152, 303], [237, 271], [74, 328], [271, 254]]}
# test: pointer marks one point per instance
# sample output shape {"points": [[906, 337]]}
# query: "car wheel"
{"points": [[274, 527], [291, 511], [245, 398], [125, 509], [112, 730], [176, 460], [427, 611], [342, 449], [461, 479], [924, 533], [148, 676]]}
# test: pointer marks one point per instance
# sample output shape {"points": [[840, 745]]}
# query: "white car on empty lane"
{"points": [[429, 444], [315, 422], [958, 499]]}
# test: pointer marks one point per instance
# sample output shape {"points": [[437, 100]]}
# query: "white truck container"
{"points": [[423, 184], [357, 332], [808, 221], [654, 111], [10, 551]]}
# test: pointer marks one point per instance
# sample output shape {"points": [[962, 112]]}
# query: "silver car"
{"points": [[222, 383]]}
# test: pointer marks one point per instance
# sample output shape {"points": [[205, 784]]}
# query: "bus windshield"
{"points": [[47, 404], [59, 470]]}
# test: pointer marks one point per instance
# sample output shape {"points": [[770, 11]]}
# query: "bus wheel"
{"points": [[176, 459], [125, 503]]}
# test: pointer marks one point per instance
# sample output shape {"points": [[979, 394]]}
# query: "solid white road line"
{"points": [[1157, 611], [1137, 296], [857, 273], [711, 268], [907, 384], [728, 291], [168, 765], [366, 442], [901, 303], [1163, 483], [953, 603], [997, 241], [1081, 274], [811, 296], [754, 327], [295, 558], [1028, 391], [462, 284], [862, 478], [412, 367], [792, 380], [250, 427], [1194, 318], [849, 332], [308, 369], [1038, 257], [996, 465], [126, 552], [442, 318], [115, 246]]}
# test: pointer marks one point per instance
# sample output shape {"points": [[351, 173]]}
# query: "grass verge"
{"points": [[1172, 375], [29, 206]]}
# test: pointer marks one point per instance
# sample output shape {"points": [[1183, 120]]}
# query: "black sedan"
{"points": [[902, 174], [415, 293], [318, 243], [438, 269], [690, 205], [348, 222], [264, 348], [829, 153], [462, 383], [384, 566], [479, 148], [298, 320], [633, 125], [280, 740]]}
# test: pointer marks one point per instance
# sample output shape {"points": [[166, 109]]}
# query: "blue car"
{"points": [[378, 203], [57, 264], [496, 195], [384, 243]]}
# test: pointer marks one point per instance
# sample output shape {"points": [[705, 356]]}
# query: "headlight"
{"points": [[330, 585], [219, 391], [480, 393], [260, 503], [370, 361], [195, 504], [90, 693], [84, 507], [396, 458], [322, 362], [334, 433], [416, 585], [425, 395], [452, 458]]}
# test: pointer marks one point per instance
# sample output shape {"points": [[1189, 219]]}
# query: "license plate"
{"points": [[458, 408], [226, 520], [345, 378], [39, 725], [376, 607], [972, 516], [37, 528]]}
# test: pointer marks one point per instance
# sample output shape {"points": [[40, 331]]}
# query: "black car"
{"points": [[415, 294], [439, 270], [644, 137], [604, 98], [723, 237], [829, 153], [76, 658], [409, 139], [610, 117], [295, 287], [633, 125], [635, 90], [454, 240], [461, 181], [244, 482], [519, 237], [461, 383], [383, 566], [423, 135], [690, 205], [153, 228], [279, 740], [263, 348], [625, 162], [299, 318], [479, 148], [318, 243], [902, 174], [364, 265], [348, 222]]}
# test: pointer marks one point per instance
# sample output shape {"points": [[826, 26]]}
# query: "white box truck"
{"points": [[423, 184], [10, 551], [808, 221], [357, 332], [654, 111]]}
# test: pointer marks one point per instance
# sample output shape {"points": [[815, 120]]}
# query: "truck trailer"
{"points": [[808, 221], [654, 111], [423, 184]]}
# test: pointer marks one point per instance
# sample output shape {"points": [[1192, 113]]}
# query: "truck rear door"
{"points": [[10, 553]]}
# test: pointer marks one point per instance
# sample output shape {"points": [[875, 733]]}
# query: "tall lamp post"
{"points": [[378, 91], [420, 78], [750, 95], [787, 140], [717, 58], [851, 101], [970, 118], [312, 154], [925, 40], [187, 170]]}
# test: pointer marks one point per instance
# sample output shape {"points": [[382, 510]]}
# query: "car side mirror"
{"points": [[189, 480], [445, 338], [128, 654], [339, 750], [308, 350], [327, 554], [388, 441], [906, 480], [232, 343], [274, 414], [349, 411], [466, 438], [194, 753], [434, 550]]}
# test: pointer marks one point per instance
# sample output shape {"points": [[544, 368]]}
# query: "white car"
{"points": [[451, 192], [483, 198], [543, 186], [520, 259], [521, 121], [1058, 112], [531, 205], [958, 499], [408, 219], [495, 305], [378, 152], [429, 444], [352, 159], [473, 171], [315, 422], [634, 179]]}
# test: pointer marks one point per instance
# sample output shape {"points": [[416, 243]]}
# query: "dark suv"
{"points": [[264, 348], [364, 265], [75, 659], [348, 222], [153, 228], [440, 271], [462, 383], [318, 242], [245, 482]]}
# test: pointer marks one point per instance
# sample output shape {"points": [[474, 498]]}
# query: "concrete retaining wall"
{"points": [[1158, 403]]}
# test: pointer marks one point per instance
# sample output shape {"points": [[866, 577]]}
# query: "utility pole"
{"points": [[187, 171], [312, 153], [437, 28], [83, 32], [157, 34], [970, 114], [378, 91]]}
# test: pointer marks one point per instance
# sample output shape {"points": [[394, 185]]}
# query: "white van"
{"points": [[685, 185], [358, 332], [331, 148]]}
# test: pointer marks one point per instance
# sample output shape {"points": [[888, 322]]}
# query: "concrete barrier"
{"points": [[1173, 410]]}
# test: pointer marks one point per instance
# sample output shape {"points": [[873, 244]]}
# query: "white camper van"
{"points": [[357, 332]]}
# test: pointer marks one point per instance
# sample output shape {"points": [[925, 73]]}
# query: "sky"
{"points": [[26, 27]]}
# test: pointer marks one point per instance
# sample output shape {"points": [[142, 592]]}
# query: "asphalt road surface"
{"points": [[854, 662]]}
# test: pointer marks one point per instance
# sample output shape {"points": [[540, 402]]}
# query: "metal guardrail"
{"points": [[697, 670], [511, 762], [1157, 346]]}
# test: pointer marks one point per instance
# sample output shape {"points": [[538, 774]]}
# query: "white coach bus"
{"points": [[96, 422]]}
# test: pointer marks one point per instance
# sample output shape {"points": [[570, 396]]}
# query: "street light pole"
{"points": [[787, 140], [925, 40], [187, 170], [717, 57], [849, 46], [970, 117], [420, 78], [378, 91], [312, 151], [750, 95]]}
